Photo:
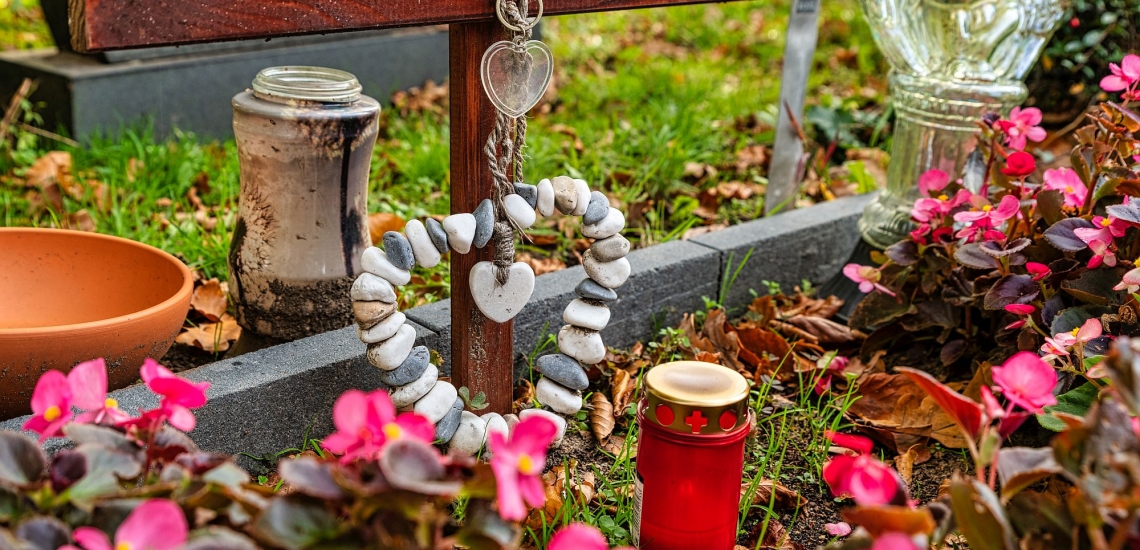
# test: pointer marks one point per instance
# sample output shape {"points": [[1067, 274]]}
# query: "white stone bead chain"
{"points": [[406, 369]]}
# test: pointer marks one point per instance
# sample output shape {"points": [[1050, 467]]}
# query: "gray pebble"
{"points": [[438, 235], [484, 223], [562, 369], [399, 250], [591, 290], [610, 248], [528, 192], [445, 429], [598, 208], [409, 370]]}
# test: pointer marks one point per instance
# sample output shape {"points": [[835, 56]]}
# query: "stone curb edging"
{"points": [[265, 401]]}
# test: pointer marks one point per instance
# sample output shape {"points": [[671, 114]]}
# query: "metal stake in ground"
{"points": [[788, 159]]}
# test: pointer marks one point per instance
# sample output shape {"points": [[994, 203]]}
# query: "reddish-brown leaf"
{"points": [[963, 411]]}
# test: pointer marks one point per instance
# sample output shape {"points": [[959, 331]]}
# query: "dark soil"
{"points": [[181, 357]]}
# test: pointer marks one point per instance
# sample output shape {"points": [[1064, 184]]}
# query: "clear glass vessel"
{"points": [[952, 61], [304, 138]]}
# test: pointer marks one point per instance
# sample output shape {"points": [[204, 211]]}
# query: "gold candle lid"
{"points": [[693, 397]]}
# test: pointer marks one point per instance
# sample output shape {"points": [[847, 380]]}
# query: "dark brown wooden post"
{"points": [[482, 358]]}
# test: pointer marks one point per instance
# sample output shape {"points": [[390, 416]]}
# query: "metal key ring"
{"points": [[526, 26]]}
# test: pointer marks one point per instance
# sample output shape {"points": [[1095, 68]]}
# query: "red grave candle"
{"points": [[690, 457]]}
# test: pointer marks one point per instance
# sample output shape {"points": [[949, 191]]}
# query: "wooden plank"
{"points": [[788, 158], [482, 355], [99, 25]]}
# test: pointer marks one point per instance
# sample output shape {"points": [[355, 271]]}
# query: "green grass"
{"points": [[22, 26], [644, 93]]}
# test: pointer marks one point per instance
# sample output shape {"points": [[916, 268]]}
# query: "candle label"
{"points": [[635, 522]]}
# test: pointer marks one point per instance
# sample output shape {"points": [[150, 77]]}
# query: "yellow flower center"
{"points": [[1137, 262], [111, 403], [943, 197], [987, 208], [52, 413], [1104, 222], [1074, 331], [1068, 188], [393, 430], [124, 546], [526, 465]]}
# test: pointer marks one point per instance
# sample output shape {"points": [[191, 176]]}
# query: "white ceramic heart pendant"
{"points": [[515, 79], [501, 303]]}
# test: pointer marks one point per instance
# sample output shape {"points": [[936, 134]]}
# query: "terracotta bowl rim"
{"points": [[182, 294]]}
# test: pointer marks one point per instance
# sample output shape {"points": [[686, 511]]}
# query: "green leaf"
{"points": [[105, 468], [1050, 202], [1075, 402], [21, 460], [1020, 467], [296, 522], [1095, 286]]}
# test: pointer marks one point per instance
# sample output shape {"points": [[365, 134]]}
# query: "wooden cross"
{"points": [[482, 356]]}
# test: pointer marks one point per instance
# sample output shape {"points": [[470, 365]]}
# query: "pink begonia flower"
{"points": [[1130, 282], [1124, 77], [862, 477], [1023, 310], [1100, 239], [1102, 254], [366, 422], [894, 541], [154, 525], [1022, 124], [1027, 381], [1061, 342], [984, 219], [927, 210], [1019, 164], [1038, 270], [88, 383], [841, 529], [1069, 184], [579, 536], [836, 366], [51, 405], [990, 404], [178, 394], [932, 180], [518, 462], [868, 278]]}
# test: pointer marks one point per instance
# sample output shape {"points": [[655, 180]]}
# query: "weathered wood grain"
{"points": [[98, 25]]}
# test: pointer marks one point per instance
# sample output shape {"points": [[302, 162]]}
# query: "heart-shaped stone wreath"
{"points": [[406, 369]]}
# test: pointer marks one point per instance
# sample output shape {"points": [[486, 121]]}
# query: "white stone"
{"points": [[562, 399], [519, 211], [558, 421], [608, 227], [372, 288], [383, 330], [376, 262], [437, 403], [583, 197], [460, 230], [565, 194], [581, 314], [545, 206], [427, 255], [390, 353], [496, 424], [500, 303], [608, 274], [468, 439], [512, 421], [582, 344], [408, 394]]}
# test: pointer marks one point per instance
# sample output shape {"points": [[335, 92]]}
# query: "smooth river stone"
{"points": [[468, 439], [512, 421], [372, 288], [558, 421], [368, 314], [565, 194], [436, 403], [501, 303], [581, 314], [608, 227], [496, 424], [409, 370], [438, 235], [563, 369], [559, 398], [591, 290], [608, 274], [597, 209], [484, 223], [529, 193], [376, 262], [545, 203], [411, 392], [519, 211], [582, 344], [383, 330], [423, 248], [460, 230], [610, 249], [399, 250], [391, 353], [446, 427], [583, 201]]}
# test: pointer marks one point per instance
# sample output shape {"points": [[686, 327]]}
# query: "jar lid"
{"points": [[696, 398], [308, 84]]}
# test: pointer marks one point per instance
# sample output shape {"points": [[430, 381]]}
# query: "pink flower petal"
{"points": [[894, 541], [348, 412], [578, 536], [841, 529], [91, 538], [533, 436], [154, 525], [417, 426], [88, 384], [1113, 83], [510, 499], [1130, 67], [531, 489]]}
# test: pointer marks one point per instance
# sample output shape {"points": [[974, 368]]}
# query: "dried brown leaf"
{"points": [[601, 416], [621, 388], [211, 337], [541, 265], [209, 299], [826, 331], [774, 492], [383, 222]]}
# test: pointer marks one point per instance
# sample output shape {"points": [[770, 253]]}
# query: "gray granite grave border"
{"points": [[267, 401]]}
